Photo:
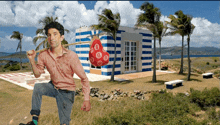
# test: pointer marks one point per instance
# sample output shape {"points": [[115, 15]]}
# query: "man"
{"points": [[61, 64]]}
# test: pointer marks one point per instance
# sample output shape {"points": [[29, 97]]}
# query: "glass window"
{"points": [[98, 67]]}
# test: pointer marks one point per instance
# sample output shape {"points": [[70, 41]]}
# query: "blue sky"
{"points": [[24, 16]]}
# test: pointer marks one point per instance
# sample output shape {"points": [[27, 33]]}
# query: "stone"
{"points": [[186, 94], [101, 100], [145, 92], [111, 97], [92, 95], [106, 96], [97, 94], [132, 95]]}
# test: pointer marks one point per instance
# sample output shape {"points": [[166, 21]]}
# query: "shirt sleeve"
{"points": [[40, 63], [78, 69]]}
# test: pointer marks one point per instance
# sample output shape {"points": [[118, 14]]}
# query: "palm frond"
{"points": [[108, 13], [40, 31], [40, 44], [67, 31]]}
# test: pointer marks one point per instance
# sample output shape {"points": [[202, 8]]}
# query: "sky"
{"points": [[24, 16]]}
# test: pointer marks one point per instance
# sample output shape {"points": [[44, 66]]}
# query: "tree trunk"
{"points": [[181, 65], [20, 57], [160, 55], [113, 68], [155, 57], [189, 61]]}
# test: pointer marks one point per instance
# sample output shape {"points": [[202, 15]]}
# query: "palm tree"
{"points": [[189, 30], [178, 26], [109, 22], [41, 34], [161, 31], [17, 35], [149, 19]]}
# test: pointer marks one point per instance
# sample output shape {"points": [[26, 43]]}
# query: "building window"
{"points": [[93, 67]]}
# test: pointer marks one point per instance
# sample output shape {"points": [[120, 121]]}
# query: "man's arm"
{"points": [[37, 70], [34, 69], [78, 69]]}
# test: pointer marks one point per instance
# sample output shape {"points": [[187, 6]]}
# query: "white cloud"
{"points": [[127, 12], [99, 6], [6, 14], [205, 34]]}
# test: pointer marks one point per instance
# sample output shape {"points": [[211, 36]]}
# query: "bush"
{"points": [[15, 67], [205, 98], [207, 63], [7, 65], [162, 109]]}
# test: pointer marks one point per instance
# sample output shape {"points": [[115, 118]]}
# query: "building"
{"points": [[133, 48]]}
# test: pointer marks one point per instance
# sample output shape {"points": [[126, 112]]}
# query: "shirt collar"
{"points": [[65, 51]]}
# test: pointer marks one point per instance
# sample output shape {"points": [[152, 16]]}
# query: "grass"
{"points": [[156, 109]]}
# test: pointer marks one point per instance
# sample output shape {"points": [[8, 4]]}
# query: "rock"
{"points": [[132, 95], [101, 100], [111, 97], [118, 90], [96, 94], [106, 96], [11, 122], [92, 95], [137, 91], [186, 94]]}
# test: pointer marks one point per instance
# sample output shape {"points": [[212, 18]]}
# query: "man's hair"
{"points": [[55, 25]]}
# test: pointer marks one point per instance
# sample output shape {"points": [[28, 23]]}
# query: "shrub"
{"points": [[3, 70], [7, 65], [212, 114], [163, 108], [15, 67], [215, 60], [205, 98], [207, 63]]}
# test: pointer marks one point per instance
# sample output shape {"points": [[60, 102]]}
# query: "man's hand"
{"points": [[31, 55], [86, 106]]}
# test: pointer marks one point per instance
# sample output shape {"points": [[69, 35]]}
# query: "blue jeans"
{"points": [[64, 99]]}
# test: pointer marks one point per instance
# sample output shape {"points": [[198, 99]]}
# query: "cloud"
{"points": [[128, 17], [6, 14], [204, 34]]}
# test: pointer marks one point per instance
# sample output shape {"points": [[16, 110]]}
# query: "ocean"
{"points": [[25, 60]]}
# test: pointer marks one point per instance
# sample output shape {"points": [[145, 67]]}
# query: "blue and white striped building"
{"points": [[133, 48]]}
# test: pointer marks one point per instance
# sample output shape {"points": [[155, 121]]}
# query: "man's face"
{"points": [[54, 37]]}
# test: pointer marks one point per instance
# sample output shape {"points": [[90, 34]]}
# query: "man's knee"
{"points": [[39, 88]]}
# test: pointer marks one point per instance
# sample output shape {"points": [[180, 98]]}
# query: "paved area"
{"points": [[22, 78]]}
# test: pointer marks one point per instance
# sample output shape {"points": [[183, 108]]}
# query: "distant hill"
{"points": [[176, 50], [4, 55], [193, 50]]}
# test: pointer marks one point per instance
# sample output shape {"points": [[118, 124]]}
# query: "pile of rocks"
{"points": [[117, 93]]}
